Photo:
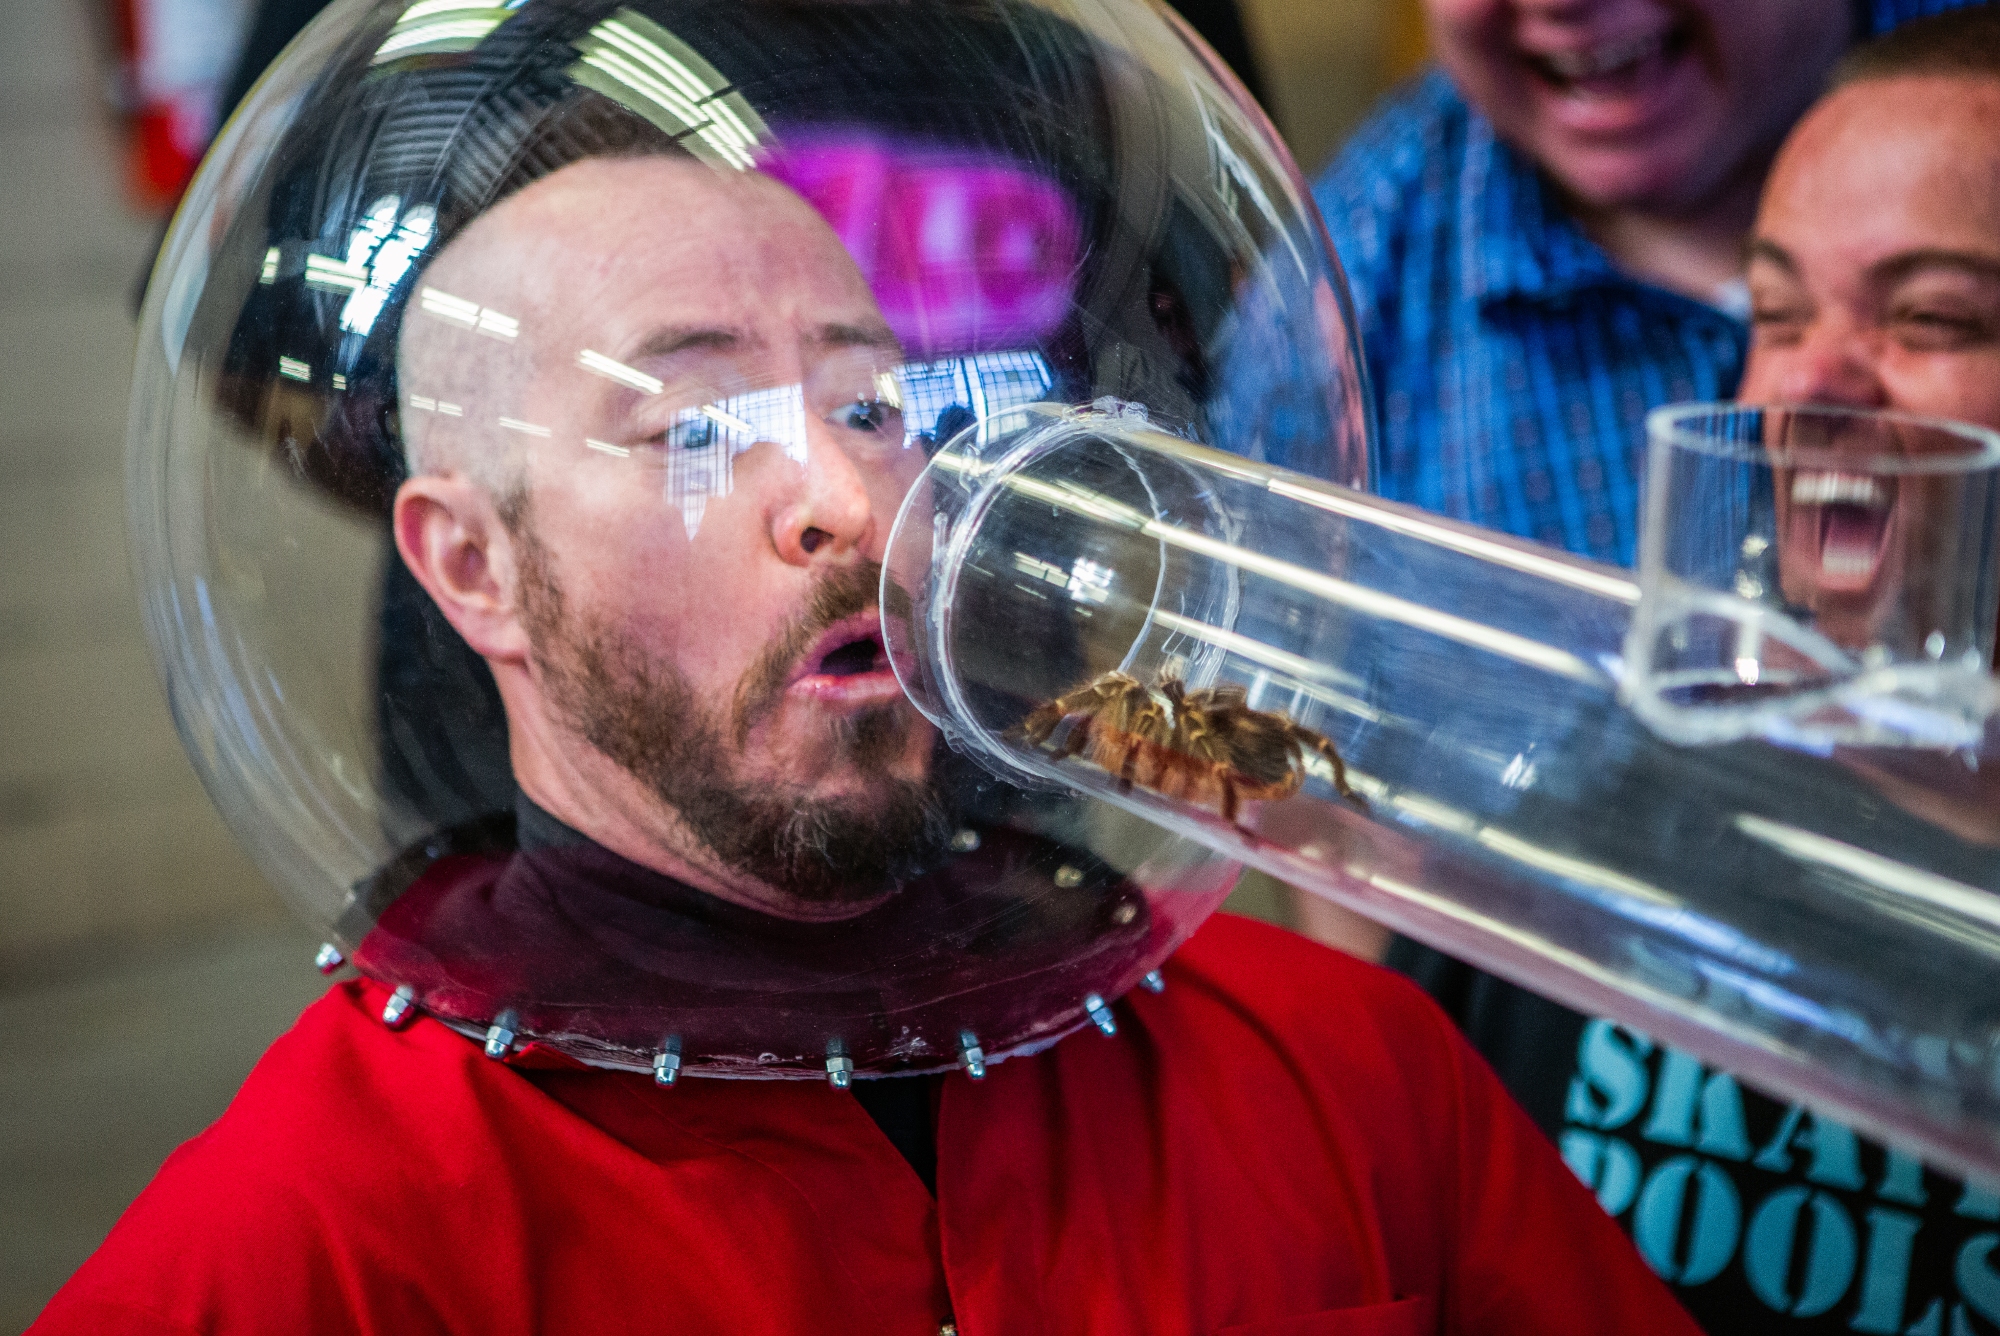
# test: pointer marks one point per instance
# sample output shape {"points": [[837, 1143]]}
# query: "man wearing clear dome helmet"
{"points": [[635, 406]]}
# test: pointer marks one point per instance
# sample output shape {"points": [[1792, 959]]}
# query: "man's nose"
{"points": [[1833, 364], [832, 513]]}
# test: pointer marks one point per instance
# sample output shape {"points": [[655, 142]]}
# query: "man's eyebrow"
{"points": [[1762, 248], [1899, 267], [673, 339], [856, 336]]}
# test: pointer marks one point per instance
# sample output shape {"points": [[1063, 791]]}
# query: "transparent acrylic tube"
{"points": [[1822, 925]]}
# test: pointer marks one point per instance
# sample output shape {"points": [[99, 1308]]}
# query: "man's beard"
{"points": [[645, 716]]}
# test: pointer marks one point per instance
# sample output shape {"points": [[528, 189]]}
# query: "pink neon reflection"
{"points": [[964, 253]]}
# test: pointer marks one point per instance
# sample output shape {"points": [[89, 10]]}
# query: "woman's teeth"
{"points": [[1826, 489], [1597, 61]]}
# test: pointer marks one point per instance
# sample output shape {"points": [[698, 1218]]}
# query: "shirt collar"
{"points": [[1519, 243]]}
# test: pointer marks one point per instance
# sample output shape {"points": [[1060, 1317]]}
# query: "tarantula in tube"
{"points": [[1206, 747]]}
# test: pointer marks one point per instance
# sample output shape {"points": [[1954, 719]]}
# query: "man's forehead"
{"points": [[1907, 169], [655, 243]]}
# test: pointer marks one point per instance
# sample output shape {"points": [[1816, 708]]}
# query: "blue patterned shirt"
{"points": [[1512, 363]]}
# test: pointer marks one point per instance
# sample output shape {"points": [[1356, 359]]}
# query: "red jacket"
{"points": [[1286, 1142]]}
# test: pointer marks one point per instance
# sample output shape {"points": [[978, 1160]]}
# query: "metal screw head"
{"points": [[840, 1071], [396, 1012], [329, 958], [1093, 1006], [971, 1056], [666, 1068], [500, 1037], [964, 841], [1154, 982], [1069, 877], [1124, 912]]}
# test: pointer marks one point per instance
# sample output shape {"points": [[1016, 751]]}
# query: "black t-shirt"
{"points": [[1763, 1216], [904, 1107]]}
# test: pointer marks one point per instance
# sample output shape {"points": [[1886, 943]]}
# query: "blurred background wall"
{"points": [[144, 964]]}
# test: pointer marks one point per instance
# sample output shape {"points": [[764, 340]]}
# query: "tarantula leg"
{"points": [[1340, 784], [1078, 737], [1040, 723], [1129, 767]]}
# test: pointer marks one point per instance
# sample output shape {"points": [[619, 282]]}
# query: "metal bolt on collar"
{"points": [[667, 1062], [329, 958], [396, 1012], [971, 1056], [1094, 1007], [1154, 982], [964, 841], [1068, 876], [839, 1067], [500, 1038]]}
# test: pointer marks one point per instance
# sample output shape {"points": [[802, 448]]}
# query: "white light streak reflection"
{"points": [[723, 418], [641, 65], [617, 371], [435, 26], [1386, 607], [291, 368], [1558, 569], [526, 428], [494, 325], [1339, 501], [1905, 892], [443, 305], [324, 271]]}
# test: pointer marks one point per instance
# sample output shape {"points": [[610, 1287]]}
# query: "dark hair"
{"points": [[1961, 42]]}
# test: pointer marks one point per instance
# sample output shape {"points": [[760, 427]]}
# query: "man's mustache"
{"points": [[835, 597]]}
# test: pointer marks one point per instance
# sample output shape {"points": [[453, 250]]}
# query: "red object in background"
{"points": [[172, 55], [1284, 1143]]}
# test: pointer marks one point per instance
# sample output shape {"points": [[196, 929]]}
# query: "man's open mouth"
{"points": [[847, 665], [863, 655], [1841, 523], [1613, 68]]}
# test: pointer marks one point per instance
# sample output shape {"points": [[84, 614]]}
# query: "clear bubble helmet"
{"points": [[523, 402]]}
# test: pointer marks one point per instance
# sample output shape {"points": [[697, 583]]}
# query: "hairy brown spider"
{"points": [[1205, 747]]}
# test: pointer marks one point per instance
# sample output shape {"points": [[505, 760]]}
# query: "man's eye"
{"points": [[692, 433], [1776, 324], [1926, 328], [873, 415]]}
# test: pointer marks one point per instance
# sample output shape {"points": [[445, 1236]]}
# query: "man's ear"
{"points": [[452, 538]]}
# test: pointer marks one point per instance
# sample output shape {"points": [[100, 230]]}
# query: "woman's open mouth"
{"points": [[1613, 68], [1839, 529], [1619, 85]]}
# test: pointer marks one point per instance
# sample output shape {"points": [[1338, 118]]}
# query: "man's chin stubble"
{"points": [[647, 719]]}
